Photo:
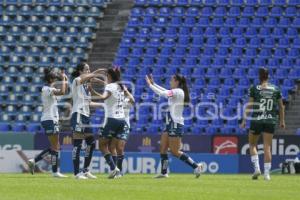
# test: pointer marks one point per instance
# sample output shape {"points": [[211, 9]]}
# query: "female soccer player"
{"points": [[114, 129], [178, 97], [264, 100], [50, 118], [117, 146], [81, 95]]}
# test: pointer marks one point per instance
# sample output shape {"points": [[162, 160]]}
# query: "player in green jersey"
{"points": [[266, 104]]}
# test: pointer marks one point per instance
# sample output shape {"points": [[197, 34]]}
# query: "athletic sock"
{"points": [[115, 159], [42, 155], [120, 159], [255, 162], [267, 167], [54, 161], [76, 154], [164, 163], [90, 142], [110, 161], [188, 160]]}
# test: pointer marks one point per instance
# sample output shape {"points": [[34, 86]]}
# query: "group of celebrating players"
{"points": [[117, 102]]}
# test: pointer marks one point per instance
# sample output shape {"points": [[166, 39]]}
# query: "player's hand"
{"points": [[243, 124], [282, 125], [148, 81]]}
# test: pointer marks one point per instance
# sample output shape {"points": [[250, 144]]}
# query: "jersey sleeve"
{"points": [[251, 92], [50, 91], [177, 93], [109, 88]]}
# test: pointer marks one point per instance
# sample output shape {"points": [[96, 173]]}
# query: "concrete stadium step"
{"points": [[110, 33]]}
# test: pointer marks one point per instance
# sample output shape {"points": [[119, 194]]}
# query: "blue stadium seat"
{"points": [[4, 127], [150, 12], [178, 12], [196, 2], [292, 33], [164, 11], [137, 12], [296, 22], [290, 11], [226, 42], [234, 12], [251, 2], [284, 22], [224, 2], [276, 11], [262, 11], [192, 12], [18, 127], [203, 22], [207, 11], [220, 12]]}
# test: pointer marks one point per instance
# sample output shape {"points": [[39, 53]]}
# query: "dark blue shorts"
{"points": [[81, 123], [50, 127], [115, 128], [173, 129]]}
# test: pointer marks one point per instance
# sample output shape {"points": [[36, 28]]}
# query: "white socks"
{"points": [[255, 161], [267, 168]]}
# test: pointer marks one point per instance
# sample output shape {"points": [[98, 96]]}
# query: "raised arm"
{"points": [[86, 77], [158, 90], [99, 70], [129, 95], [62, 91]]}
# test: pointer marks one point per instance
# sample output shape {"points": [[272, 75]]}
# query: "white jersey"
{"points": [[81, 97], [127, 107], [114, 105], [49, 101], [175, 101]]}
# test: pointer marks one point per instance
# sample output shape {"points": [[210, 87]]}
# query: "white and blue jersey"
{"points": [[115, 124], [174, 118], [50, 116], [81, 96]]}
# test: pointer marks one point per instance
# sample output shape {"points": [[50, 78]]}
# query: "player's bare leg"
{"points": [[267, 155], [253, 139]]}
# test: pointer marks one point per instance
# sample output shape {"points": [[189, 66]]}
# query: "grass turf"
{"points": [[178, 186]]}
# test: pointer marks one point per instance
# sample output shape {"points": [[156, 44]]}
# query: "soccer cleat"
{"points": [[89, 175], [31, 165], [114, 173], [267, 177], [58, 175], [162, 176], [198, 170], [80, 176], [256, 174]]}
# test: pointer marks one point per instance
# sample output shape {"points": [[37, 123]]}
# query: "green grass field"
{"points": [[208, 187]]}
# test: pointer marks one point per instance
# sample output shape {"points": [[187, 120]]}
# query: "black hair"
{"points": [[115, 75], [49, 75], [263, 74], [78, 69], [183, 85]]}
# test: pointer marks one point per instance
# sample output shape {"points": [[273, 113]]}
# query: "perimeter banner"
{"points": [[135, 163], [16, 141], [136, 143]]}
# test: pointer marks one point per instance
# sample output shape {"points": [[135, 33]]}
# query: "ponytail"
{"points": [[183, 85], [263, 74], [115, 74], [78, 69]]}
